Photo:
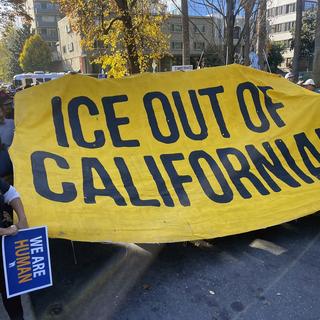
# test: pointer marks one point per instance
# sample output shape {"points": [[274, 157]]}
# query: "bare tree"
{"points": [[316, 59], [229, 28], [297, 39], [228, 12], [248, 14], [10, 10], [262, 32], [185, 32]]}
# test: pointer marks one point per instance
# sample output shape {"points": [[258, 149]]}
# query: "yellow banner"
{"points": [[167, 157]]}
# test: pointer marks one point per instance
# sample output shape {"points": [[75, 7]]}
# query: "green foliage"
{"points": [[36, 55], [4, 55], [11, 46], [275, 57], [130, 32], [307, 34], [10, 10], [213, 56]]}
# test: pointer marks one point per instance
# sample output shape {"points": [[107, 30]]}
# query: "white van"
{"points": [[23, 79]]}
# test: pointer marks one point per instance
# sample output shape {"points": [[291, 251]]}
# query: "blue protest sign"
{"points": [[26, 261]]}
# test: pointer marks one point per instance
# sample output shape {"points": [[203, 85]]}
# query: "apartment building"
{"points": [[45, 16], [73, 57], [203, 33], [281, 15]]}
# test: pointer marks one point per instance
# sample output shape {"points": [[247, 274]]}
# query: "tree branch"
{"points": [[106, 30]]}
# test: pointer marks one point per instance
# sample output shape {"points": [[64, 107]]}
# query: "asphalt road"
{"points": [[262, 275]]}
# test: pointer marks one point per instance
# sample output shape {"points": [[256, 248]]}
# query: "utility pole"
{"points": [[185, 33]]}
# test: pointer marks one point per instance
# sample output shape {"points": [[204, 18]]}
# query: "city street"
{"points": [[238, 277], [160, 159]]}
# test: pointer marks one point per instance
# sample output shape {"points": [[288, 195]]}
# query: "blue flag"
{"points": [[26, 261]]}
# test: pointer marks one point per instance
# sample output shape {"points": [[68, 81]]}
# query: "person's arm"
{"points": [[17, 206], [11, 197]]}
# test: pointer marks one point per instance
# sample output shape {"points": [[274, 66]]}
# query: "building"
{"points": [[281, 15], [73, 57], [45, 16], [203, 34]]}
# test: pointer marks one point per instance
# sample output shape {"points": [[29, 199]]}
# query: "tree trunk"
{"points": [[297, 40], [185, 32], [133, 58], [316, 59], [262, 33], [248, 8], [229, 31]]}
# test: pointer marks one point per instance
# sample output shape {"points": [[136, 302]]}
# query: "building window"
{"points": [[48, 18], [43, 31], [64, 49], [281, 10], [176, 45], [70, 47], [200, 28], [198, 45], [52, 33], [52, 5], [43, 5], [284, 27], [236, 32], [289, 62], [176, 27], [68, 28], [310, 5], [290, 8]]}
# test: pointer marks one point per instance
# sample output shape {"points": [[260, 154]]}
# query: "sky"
{"points": [[194, 9]]}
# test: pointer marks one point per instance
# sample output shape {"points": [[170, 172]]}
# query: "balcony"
{"points": [[49, 38], [51, 11], [45, 24]]}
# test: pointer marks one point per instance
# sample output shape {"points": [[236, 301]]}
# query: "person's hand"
{"points": [[10, 231]]}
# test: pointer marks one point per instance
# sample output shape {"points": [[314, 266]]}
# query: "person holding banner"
{"points": [[9, 195]]}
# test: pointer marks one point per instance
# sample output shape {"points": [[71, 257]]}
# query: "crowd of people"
{"points": [[308, 84]]}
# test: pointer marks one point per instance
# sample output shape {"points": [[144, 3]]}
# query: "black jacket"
{"points": [[4, 187], [5, 163]]}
